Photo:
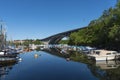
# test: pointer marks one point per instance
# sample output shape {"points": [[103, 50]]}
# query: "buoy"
{"points": [[36, 55]]}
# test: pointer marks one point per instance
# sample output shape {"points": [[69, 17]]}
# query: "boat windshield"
{"points": [[108, 54], [114, 52]]}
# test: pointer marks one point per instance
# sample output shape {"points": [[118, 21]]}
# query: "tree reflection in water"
{"points": [[104, 70], [5, 67]]}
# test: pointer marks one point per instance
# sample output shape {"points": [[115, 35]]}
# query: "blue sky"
{"points": [[37, 19]]}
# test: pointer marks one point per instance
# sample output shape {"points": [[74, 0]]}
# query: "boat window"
{"points": [[114, 53], [97, 52], [108, 54]]}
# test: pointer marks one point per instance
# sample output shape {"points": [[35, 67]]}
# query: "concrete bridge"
{"points": [[54, 39]]}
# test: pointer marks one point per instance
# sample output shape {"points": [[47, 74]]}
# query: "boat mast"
{"points": [[2, 35]]}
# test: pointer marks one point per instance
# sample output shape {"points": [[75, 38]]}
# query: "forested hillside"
{"points": [[103, 32]]}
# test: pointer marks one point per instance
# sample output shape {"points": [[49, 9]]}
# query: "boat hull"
{"points": [[104, 58], [7, 59]]}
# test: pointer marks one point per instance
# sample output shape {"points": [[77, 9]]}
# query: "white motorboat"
{"points": [[103, 55]]}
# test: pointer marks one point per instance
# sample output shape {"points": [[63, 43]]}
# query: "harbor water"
{"points": [[40, 65]]}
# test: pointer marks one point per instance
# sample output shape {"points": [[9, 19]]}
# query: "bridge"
{"points": [[54, 39]]}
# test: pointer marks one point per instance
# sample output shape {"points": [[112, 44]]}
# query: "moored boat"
{"points": [[103, 55], [5, 54]]}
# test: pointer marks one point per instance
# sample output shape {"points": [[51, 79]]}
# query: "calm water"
{"points": [[48, 67]]}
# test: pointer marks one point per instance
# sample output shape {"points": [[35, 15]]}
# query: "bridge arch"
{"points": [[54, 39]]}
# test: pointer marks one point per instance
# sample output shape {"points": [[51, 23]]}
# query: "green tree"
{"points": [[102, 32], [37, 42]]}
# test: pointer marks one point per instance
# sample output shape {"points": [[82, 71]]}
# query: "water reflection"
{"points": [[52, 65], [5, 67], [108, 64], [106, 70], [103, 70], [56, 52]]}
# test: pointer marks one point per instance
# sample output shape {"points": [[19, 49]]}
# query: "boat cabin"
{"points": [[103, 52]]}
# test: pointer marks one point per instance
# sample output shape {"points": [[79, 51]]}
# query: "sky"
{"points": [[38, 19]]}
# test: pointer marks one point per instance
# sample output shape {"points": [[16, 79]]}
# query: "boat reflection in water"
{"points": [[108, 64], [5, 67]]}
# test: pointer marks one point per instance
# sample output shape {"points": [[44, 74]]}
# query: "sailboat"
{"points": [[5, 54]]}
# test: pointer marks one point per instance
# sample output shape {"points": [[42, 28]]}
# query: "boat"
{"points": [[7, 57], [103, 55], [5, 54]]}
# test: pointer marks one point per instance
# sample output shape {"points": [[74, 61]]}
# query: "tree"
{"points": [[37, 42], [102, 32]]}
